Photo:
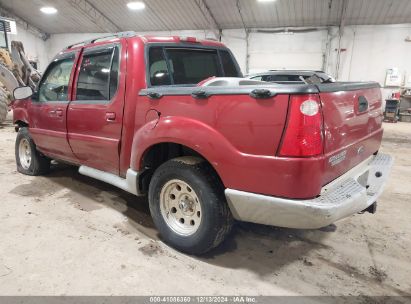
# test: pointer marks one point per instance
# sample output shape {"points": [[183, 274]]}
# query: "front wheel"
{"points": [[29, 161], [188, 205]]}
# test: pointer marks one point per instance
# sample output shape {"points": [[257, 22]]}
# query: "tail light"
{"points": [[303, 136]]}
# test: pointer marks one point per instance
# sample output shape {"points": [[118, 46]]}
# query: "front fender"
{"points": [[196, 135], [20, 112]]}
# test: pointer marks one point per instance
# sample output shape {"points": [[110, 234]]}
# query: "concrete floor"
{"points": [[66, 234]]}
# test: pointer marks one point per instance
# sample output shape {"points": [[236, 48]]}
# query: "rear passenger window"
{"points": [[98, 77], [230, 69]]}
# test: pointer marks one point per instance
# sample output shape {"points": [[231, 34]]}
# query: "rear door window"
{"points": [[98, 77]]}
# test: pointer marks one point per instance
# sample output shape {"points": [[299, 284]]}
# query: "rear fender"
{"points": [[194, 134]]}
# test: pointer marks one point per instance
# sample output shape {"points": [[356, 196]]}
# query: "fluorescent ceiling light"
{"points": [[48, 10], [138, 5], [266, 0]]}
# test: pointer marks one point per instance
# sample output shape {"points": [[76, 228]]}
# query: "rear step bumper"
{"points": [[351, 193]]}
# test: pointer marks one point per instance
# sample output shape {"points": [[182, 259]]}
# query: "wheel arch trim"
{"points": [[194, 134]]}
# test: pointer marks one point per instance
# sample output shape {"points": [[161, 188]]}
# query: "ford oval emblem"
{"points": [[362, 104]]}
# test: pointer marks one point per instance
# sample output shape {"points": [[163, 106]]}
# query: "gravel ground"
{"points": [[67, 234]]}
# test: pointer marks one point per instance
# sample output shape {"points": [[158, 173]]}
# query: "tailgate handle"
{"points": [[261, 93]]}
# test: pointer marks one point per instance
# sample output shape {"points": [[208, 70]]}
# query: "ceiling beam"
{"points": [[102, 21], [208, 15], [343, 16], [241, 15], [24, 24]]}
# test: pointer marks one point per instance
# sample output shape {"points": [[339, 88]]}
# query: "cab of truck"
{"points": [[89, 79]]}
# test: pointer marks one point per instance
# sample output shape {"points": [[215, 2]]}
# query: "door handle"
{"points": [[56, 113], [110, 116]]}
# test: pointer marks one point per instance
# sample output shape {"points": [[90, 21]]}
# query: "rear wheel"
{"points": [[29, 161], [188, 205]]}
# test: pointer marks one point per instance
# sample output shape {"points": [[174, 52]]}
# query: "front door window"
{"points": [[54, 85]]}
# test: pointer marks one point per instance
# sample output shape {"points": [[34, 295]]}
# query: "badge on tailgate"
{"points": [[337, 158]]}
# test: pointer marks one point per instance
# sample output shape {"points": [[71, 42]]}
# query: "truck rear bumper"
{"points": [[349, 194]]}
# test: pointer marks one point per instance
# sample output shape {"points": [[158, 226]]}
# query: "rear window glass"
{"points": [[230, 69], [158, 71], [190, 66]]}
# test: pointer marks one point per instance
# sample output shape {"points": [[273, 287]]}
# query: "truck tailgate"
{"points": [[352, 125]]}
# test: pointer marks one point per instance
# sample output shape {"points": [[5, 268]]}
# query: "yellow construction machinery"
{"points": [[15, 70]]}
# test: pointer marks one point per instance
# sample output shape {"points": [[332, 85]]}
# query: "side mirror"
{"points": [[22, 93]]}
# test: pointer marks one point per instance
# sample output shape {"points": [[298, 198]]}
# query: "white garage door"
{"points": [[286, 51]]}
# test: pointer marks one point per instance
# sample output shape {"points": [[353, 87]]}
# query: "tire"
{"points": [[29, 161], [188, 205]]}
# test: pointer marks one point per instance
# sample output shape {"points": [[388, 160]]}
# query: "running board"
{"points": [[128, 184]]}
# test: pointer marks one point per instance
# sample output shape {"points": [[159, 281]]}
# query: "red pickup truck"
{"points": [[173, 118]]}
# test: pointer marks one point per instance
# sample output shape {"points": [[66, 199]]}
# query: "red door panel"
{"points": [[95, 141], [48, 109], [48, 128], [95, 115]]}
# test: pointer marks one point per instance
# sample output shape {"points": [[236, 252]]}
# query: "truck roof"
{"points": [[179, 39], [145, 39]]}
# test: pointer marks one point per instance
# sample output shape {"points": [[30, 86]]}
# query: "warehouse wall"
{"points": [[371, 50], [59, 41], [367, 51], [277, 51], [265, 50]]}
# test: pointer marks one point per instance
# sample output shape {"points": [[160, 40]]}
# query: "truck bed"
{"points": [[251, 119]]}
